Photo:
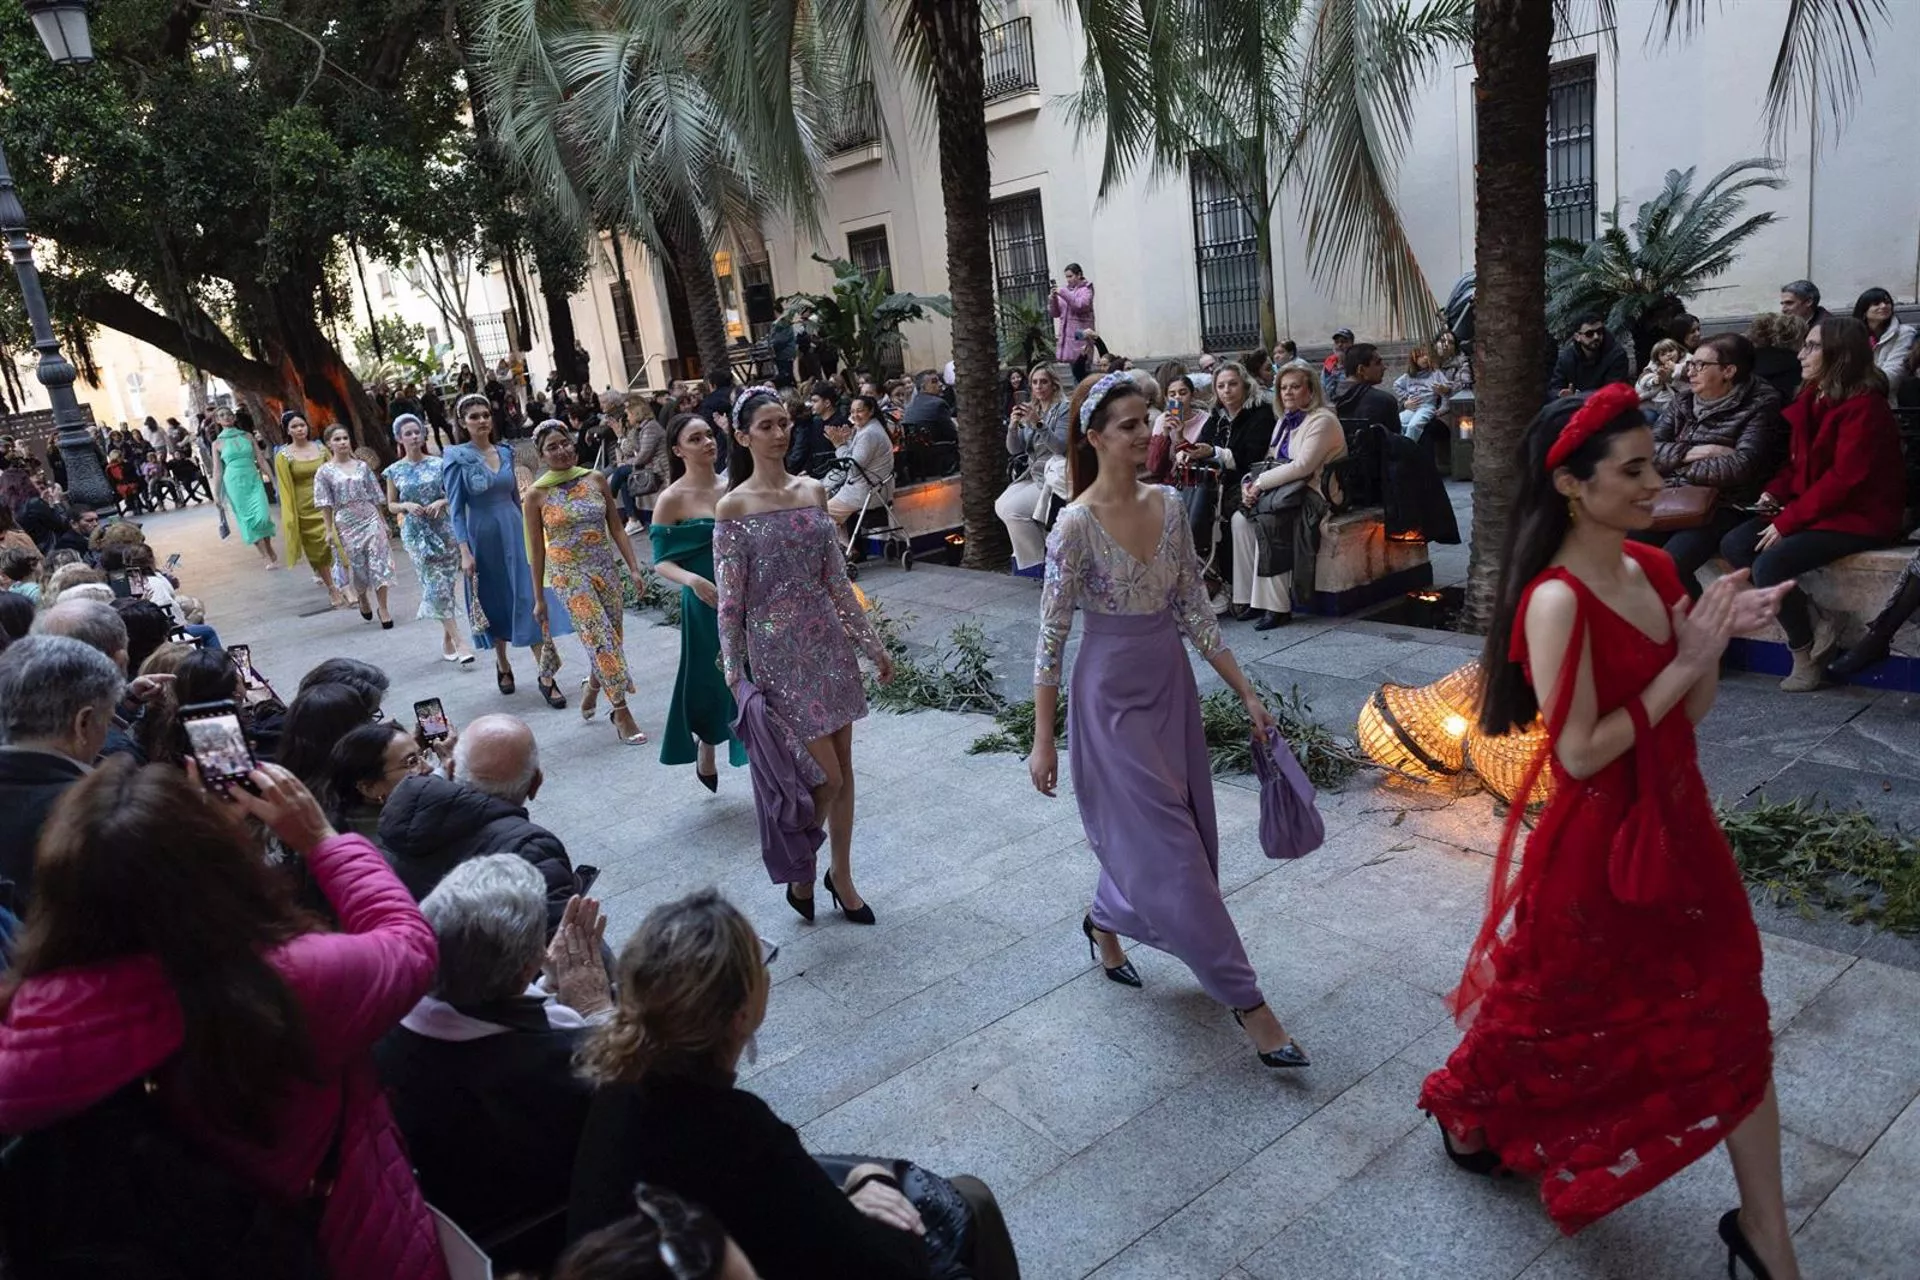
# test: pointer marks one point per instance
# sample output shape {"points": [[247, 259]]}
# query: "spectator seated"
{"points": [[480, 1073], [1851, 592], [431, 825]]}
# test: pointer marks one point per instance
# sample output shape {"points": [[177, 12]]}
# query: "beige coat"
{"points": [[1316, 442]]}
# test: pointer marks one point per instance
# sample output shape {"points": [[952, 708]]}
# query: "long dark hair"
{"points": [[137, 862], [1083, 464], [1536, 527], [675, 425], [317, 720], [1846, 360], [740, 460], [1873, 297]]}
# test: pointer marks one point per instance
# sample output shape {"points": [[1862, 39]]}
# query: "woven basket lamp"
{"points": [[1414, 731], [1502, 763]]}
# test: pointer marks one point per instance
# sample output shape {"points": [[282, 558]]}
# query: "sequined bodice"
{"points": [[1087, 568]]}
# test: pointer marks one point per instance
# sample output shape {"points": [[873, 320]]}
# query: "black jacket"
{"points": [[492, 1124], [1415, 497], [1779, 368], [1360, 402], [1574, 369], [30, 783], [431, 825], [810, 447], [1247, 436], [725, 1149], [1750, 424]]}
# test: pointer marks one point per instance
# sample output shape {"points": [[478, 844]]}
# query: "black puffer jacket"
{"points": [[431, 825], [1749, 423]]}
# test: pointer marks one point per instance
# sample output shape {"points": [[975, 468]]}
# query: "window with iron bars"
{"points": [[1006, 52], [1019, 250], [633, 355], [1226, 257], [867, 250], [1571, 191]]}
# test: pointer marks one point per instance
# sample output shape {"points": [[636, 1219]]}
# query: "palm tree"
{"points": [[1816, 68], [1316, 96], [1676, 243]]}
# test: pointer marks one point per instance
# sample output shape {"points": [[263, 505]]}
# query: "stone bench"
{"points": [[1850, 591]]}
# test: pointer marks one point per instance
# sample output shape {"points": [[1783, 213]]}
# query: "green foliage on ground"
{"points": [[956, 676], [1328, 759], [1013, 729], [1840, 860], [662, 597]]}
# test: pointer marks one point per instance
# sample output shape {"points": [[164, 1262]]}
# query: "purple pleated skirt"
{"points": [[1141, 778]]}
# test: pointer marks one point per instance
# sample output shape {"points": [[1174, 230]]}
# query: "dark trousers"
{"points": [[1082, 363], [1793, 555], [1692, 548], [992, 1256]]}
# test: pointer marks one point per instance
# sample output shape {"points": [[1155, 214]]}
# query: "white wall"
{"points": [[1850, 217]]}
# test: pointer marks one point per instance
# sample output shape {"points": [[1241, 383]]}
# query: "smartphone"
{"points": [[432, 719], [217, 743], [173, 562]]}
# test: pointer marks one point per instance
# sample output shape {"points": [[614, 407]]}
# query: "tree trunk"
{"points": [[687, 258], [951, 29], [1512, 40], [560, 329], [312, 375]]}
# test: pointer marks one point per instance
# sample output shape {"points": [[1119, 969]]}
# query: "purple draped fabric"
{"points": [[782, 801]]}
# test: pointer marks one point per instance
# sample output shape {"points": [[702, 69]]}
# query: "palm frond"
{"points": [[1816, 70]]}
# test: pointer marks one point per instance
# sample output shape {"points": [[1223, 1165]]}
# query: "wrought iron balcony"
{"points": [[855, 122], [1007, 51]]}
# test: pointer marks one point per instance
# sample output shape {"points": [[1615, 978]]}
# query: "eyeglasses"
{"points": [[1702, 364], [1811, 344], [1591, 333], [379, 714], [412, 762]]}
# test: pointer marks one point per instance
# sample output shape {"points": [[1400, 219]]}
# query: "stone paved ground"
{"points": [[1130, 1133]]}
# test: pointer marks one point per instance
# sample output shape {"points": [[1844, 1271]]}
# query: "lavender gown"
{"points": [[1135, 745]]}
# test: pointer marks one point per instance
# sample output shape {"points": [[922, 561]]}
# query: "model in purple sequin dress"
{"points": [[789, 621]]}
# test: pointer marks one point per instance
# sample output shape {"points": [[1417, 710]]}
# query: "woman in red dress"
{"points": [[1615, 1026]]}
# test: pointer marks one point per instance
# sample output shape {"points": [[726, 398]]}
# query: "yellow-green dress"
{"points": [[302, 523]]}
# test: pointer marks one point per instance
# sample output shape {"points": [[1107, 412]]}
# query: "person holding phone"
{"points": [[574, 530], [700, 715], [1036, 430]]}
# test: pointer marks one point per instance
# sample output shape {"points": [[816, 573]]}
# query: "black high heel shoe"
{"points": [[864, 915], [1739, 1249], [1483, 1162], [1123, 973], [711, 781], [1289, 1054], [803, 905]]}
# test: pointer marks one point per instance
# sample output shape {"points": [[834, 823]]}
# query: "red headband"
{"points": [[1602, 407]]}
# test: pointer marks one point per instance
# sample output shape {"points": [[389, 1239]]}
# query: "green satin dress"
{"points": [[245, 492], [702, 704]]}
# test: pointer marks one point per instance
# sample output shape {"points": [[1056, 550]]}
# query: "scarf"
{"points": [[553, 478], [1281, 446]]}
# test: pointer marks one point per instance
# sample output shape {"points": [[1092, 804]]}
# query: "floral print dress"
{"points": [[356, 498], [428, 539], [583, 569]]}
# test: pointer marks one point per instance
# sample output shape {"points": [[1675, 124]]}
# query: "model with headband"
{"points": [[573, 530], [1615, 1025], [1121, 553], [483, 501], [417, 493], [350, 497], [301, 523], [791, 624]]}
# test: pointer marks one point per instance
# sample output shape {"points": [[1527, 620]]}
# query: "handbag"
{"points": [[947, 1217], [1290, 822], [1282, 497], [1684, 506]]}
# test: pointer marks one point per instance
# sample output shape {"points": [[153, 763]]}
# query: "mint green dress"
{"points": [[702, 706], [240, 482]]}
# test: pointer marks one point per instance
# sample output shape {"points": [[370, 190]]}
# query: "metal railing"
{"points": [[1007, 52], [855, 122]]}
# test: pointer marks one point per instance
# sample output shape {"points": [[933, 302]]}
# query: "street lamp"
{"points": [[62, 25]]}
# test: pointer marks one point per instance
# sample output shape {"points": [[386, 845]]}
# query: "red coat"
{"points": [[75, 1036], [1845, 472]]}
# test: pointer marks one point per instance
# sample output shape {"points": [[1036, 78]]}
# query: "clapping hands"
{"points": [[1731, 606]]}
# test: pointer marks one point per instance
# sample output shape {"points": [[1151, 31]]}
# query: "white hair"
{"points": [[490, 916]]}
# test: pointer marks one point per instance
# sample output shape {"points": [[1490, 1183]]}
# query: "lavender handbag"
{"points": [[1290, 825]]}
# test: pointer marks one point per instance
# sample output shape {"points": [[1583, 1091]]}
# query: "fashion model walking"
{"points": [[349, 495], [417, 494], [789, 620], [1615, 1025], [240, 482], [701, 713], [483, 500], [301, 522], [1122, 554], [573, 529]]}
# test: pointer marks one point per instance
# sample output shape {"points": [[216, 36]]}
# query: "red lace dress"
{"points": [[1617, 1031]]}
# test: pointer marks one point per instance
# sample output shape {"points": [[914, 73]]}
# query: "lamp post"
{"points": [[62, 27]]}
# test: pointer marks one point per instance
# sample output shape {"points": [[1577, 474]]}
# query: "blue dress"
{"points": [[485, 508]]}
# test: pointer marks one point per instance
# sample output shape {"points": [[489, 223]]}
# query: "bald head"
{"points": [[498, 755], [91, 623]]}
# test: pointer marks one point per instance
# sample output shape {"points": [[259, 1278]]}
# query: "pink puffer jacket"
{"points": [[75, 1036]]}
